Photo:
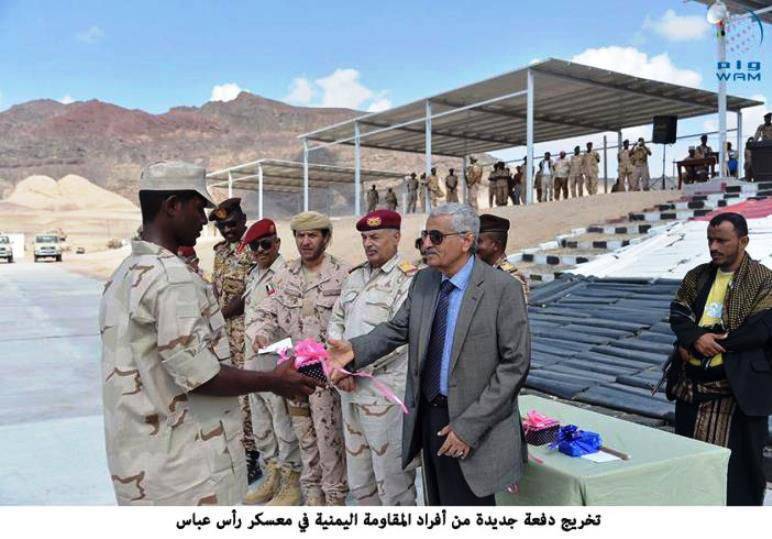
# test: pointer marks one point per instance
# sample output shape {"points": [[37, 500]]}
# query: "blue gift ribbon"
{"points": [[572, 441]]}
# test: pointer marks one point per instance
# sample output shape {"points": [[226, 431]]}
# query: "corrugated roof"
{"points": [[570, 100], [743, 6], [281, 175]]}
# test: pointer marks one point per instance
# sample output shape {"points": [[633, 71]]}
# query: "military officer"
{"points": [[625, 168], [492, 245], [372, 198], [562, 169], [229, 279], [639, 158], [422, 189], [412, 192], [473, 178], [576, 173], [391, 199], [703, 151], [591, 160], [764, 131], [172, 422], [306, 291], [373, 293], [502, 185], [451, 186], [271, 424]]}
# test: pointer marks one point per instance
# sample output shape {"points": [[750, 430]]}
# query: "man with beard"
{"points": [[306, 291], [721, 373], [229, 279], [172, 422]]}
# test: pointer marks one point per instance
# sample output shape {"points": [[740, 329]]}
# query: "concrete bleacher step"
{"points": [[599, 240]]}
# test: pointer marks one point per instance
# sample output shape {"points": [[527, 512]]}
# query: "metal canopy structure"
{"points": [[548, 100], [289, 176], [741, 7]]}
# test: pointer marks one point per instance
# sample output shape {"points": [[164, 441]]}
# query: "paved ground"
{"points": [[51, 436]]}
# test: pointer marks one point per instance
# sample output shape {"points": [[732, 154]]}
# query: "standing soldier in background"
{"points": [[562, 170], [373, 293], [372, 198], [703, 151], [625, 168], [391, 199], [591, 160], [547, 178], [492, 247], [272, 426], [576, 173], [435, 193], [517, 186], [229, 279], [172, 422], [473, 178], [502, 184], [640, 160], [451, 186], [422, 187], [412, 192], [764, 131], [306, 291]]}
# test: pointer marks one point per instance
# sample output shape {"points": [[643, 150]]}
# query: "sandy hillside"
{"points": [[72, 192], [531, 225]]}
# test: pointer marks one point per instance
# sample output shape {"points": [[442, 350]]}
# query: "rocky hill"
{"points": [[109, 144]]}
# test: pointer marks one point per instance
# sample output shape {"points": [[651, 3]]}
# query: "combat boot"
{"points": [[267, 489], [289, 494], [315, 501]]}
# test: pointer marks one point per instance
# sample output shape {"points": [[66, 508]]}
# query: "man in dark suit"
{"points": [[468, 339], [721, 374]]}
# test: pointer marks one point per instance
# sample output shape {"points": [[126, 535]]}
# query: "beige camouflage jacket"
{"points": [[259, 287], [229, 278], [299, 310], [576, 165], [368, 297], [590, 161], [505, 265], [162, 337]]}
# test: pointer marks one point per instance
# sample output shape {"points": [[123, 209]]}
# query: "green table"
{"points": [[664, 469]]}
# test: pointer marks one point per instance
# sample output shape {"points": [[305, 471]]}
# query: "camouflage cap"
{"points": [[175, 176], [310, 220]]}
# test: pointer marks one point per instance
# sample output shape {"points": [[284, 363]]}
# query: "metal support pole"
{"points": [[260, 191], [357, 173], [740, 146], [529, 141], [305, 174], [428, 156], [230, 184], [721, 39], [664, 164], [605, 164]]}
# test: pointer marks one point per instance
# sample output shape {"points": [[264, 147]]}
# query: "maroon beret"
{"points": [[261, 229], [379, 219]]}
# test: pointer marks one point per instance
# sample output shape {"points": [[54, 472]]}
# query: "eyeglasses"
{"points": [[265, 244], [438, 237]]}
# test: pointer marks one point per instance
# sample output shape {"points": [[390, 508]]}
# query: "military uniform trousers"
{"points": [[640, 178], [592, 183], [576, 185], [319, 430], [272, 428], [502, 192], [472, 195], [561, 186], [374, 455], [412, 199], [491, 193], [626, 175], [452, 195]]}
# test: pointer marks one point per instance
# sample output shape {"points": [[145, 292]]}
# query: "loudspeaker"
{"points": [[664, 129]]}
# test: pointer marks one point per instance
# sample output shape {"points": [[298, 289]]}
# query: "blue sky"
{"points": [[154, 55]]}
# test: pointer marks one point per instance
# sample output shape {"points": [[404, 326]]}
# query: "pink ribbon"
{"points": [[535, 421], [309, 352]]}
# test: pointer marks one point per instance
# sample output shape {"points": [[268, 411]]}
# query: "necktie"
{"points": [[433, 366]]}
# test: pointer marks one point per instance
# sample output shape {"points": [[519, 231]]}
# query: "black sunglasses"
{"points": [[437, 237], [265, 244]]}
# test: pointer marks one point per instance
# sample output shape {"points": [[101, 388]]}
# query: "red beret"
{"points": [[378, 219], [186, 251], [261, 229]]}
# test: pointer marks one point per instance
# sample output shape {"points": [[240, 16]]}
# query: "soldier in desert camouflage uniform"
{"points": [[473, 178], [306, 291], [591, 160], [492, 244], [625, 167], [172, 422], [412, 192], [274, 436], [229, 276], [435, 192], [451, 186], [373, 293], [576, 173]]}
